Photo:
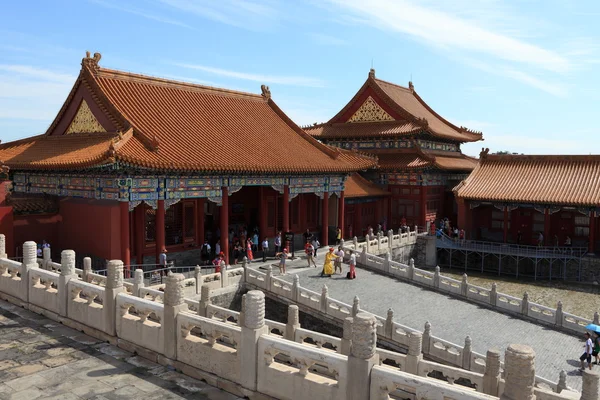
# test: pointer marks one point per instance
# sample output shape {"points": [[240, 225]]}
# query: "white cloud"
{"points": [[327, 40], [37, 73], [248, 14], [277, 79], [142, 13], [444, 30]]}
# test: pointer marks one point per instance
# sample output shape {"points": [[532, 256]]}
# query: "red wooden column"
{"points": [[547, 227], [341, 211], [262, 216], [358, 226], [423, 221], [592, 236], [505, 224], [160, 227], [325, 220], [140, 213], [224, 219], [200, 221], [286, 212], [125, 250]]}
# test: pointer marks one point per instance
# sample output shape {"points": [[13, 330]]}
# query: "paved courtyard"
{"points": [[451, 319], [42, 359]]}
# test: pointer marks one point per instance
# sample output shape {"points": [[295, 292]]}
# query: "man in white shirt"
{"points": [[340, 258], [587, 352], [265, 249]]}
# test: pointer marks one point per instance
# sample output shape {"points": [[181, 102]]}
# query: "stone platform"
{"points": [[450, 318], [42, 359]]}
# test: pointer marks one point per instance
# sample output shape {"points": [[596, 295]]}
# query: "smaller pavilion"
{"points": [[508, 197]]}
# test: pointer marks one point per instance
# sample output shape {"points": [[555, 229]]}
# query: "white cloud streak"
{"points": [[277, 79], [443, 30], [141, 13], [37, 73], [327, 40]]}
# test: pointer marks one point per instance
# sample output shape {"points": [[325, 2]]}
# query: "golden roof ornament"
{"points": [[484, 153], [372, 73], [91, 62], [266, 93]]}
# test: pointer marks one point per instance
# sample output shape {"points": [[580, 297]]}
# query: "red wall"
{"points": [[90, 227], [6, 227], [36, 227]]}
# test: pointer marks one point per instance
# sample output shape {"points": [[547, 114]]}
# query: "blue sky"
{"points": [[525, 72]]}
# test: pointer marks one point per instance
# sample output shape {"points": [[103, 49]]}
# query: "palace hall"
{"points": [[418, 151], [133, 163], [555, 195]]}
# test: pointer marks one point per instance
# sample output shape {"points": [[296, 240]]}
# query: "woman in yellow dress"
{"points": [[328, 265]]}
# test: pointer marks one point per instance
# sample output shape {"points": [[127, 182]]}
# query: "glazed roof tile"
{"points": [[185, 127], [392, 161], [357, 186], [560, 180], [363, 130]]}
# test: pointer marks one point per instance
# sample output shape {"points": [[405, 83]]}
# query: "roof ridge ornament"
{"points": [[266, 92], [372, 73], [91, 62], [484, 153], [411, 86]]}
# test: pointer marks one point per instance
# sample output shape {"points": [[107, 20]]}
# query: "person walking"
{"points": [[328, 264], [218, 247], [249, 254], [283, 255], [265, 249], [352, 273], [205, 253], [310, 250], [307, 236], [278, 242], [587, 352], [162, 258], [596, 350], [316, 245], [339, 259], [255, 242], [540, 239], [338, 236]]}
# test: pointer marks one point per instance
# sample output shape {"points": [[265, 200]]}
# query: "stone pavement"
{"points": [[451, 319], [42, 359]]}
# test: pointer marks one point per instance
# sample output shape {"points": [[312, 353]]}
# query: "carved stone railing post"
{"points": [[426, 337], [525, 304], [519, 373], [67, 272], [363, 255], [242, 317], [138, 281], [296, 288], [174, 304], [254, 326], [411, 269], [386, 262], [464, 286], [436, 277], [378, 243], [491, 376], [224, 277], [355, 242], [596, 318], [87, 269], [367, 247], [389, 324], [390, 238], [46, 258], [493, 295], [293, 322], [324, 299], [268, 276], [562, 381], [204, 300], [245, 265], [198, 276], [355, 306], [591, 385], [559, 314], [2, 246], [415, 352], [466, 354], [347, 336], [114, 286], [363, 356], [29, 262], [342, 243]]}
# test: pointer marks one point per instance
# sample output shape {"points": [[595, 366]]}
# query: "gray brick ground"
{"points": [[42, 359], [451, 319]]}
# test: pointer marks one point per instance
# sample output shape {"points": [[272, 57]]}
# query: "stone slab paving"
{"points": [[42, 359], [451, 319]]}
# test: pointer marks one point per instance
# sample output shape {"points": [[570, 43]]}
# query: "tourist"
{"points": [[218, 247], [231, 235], [249, 254], [39, 250], [45, 245], [352, 273], [587, 352], [596, 350], [237, 251], [316, 245], [283, 255], [220, 264], [309, 250], [205, 253], [378, 228], [540, 239], [162, 258], [328, 264], [265, 249], [350, 230], [278, 242], [338, 236], [461, 236], [339, 259], [255, 242], [307, 236]]}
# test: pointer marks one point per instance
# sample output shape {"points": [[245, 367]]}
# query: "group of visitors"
{"points": [[41, 247], [590, 348]]}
